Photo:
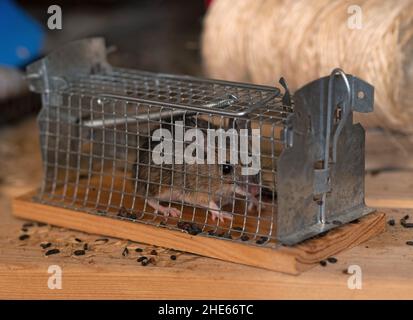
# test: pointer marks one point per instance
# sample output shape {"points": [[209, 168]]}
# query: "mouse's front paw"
{"points": [[166, 211], [217, 213], [171, 211], [252, 202], [220, 215]]}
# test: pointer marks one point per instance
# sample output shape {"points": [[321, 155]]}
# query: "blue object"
{"points": [[21, 37]]}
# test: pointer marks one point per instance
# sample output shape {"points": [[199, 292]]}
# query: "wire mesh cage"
{"points": [[235, 161]]}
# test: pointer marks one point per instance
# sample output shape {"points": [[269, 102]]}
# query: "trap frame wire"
{"points": [[96, 128]]}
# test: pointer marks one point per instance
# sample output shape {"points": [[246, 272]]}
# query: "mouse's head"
{"points": [[227, 176]]}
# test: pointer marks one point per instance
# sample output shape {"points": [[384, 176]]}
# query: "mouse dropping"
{"points": [[239, 162]]}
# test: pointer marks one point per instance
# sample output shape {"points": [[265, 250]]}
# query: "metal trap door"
{"points": [[321, 171]]}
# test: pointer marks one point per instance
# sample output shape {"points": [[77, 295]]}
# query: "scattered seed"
{"points": [[139, 250], [191, 228], [45, 245], [183, 225], [345, 271], [391, 222], [173, 257], [140, 259], [41, 224], [154, 252], [123, 212], [145, 262], [409, 243], [332, 259], [323, 263], [126, 214], [24, 229], [244, 237], [28, 224], [404, 222], [407, 225], [152, 260], [85, 247], [24, 237], [79, 252], [78, 240], [125, 252], [194, 231], [261, 240], [52, 251]]}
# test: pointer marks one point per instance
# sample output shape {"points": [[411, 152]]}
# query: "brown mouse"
{"points": [[210, 186]]}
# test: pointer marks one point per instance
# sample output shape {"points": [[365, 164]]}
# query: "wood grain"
{"points": [[385, 262], [291, 260], [390, 189]]}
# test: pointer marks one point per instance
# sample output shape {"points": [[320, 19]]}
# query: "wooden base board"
{"points": [[292, 260]]}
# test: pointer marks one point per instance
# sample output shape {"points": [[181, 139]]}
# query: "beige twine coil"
{"points": [[261, 40]]}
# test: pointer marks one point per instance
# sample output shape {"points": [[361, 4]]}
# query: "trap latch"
{"points": [[321, 181]]}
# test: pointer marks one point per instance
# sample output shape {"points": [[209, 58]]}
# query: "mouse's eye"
{"points": [[226, 169]]}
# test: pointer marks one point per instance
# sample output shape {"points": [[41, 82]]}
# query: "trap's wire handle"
{"points": [[346, 108], [346, 112], [206, 108]]}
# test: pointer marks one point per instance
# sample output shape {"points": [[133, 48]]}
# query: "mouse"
{"points": [[209, 186]]}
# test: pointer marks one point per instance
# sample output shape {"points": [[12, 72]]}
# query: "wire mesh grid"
{"points": [[97, 143]]}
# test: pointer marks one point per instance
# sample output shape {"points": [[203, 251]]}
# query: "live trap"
{"points": [[213, 159]]}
